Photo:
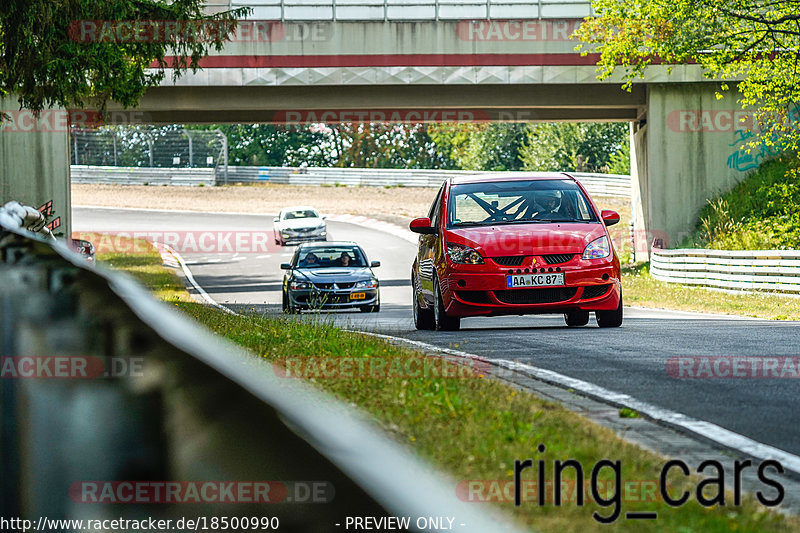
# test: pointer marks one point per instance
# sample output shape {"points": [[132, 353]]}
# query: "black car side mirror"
{"points": [[286, 266], [375, 264]]}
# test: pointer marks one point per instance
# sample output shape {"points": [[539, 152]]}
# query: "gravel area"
{"points": [[396, 204]]}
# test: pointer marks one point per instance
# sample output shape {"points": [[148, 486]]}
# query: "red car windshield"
{"points": [[513, 202]]}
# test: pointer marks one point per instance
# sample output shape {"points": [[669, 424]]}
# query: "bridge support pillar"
{"points": [[688, 148], [34, 160]]}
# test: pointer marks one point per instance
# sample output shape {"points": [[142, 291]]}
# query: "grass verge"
{"points": [[471, 428], [641, 289]]}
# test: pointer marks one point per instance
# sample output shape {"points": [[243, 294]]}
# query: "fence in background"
{"points": [[143, 147], [597, 184], [198, 408], [142, 176], [768, 270]]}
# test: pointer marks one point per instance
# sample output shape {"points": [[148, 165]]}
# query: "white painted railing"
{"points": [[399, 10], [766, 270], [142, 176], [596, 184]]}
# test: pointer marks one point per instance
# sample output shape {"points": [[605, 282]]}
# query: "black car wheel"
{"points": [[576, 317], [610, 319], [423, 318], [442, 321]]}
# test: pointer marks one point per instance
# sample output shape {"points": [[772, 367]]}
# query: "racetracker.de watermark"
{"points": [[205, 241], [517, 30], [734, 367], [383, 368], [711, 121], [502, 491], [70, 367], [307, 117], [61, 120], [171, 31], [175, 492]]}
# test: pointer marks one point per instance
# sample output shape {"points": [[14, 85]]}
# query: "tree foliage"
{"points": [[755, 41], [480, 146], [573, 146], [44, 63], [368, 145], [270, 145]]}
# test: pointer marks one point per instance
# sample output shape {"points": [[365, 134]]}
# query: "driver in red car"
{"points": [[548, 203]]}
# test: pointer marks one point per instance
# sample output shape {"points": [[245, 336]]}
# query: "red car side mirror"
{"points": [[609, 217], [422, 226]]}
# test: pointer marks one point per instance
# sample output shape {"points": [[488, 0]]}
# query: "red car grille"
{"points": [[509, 260], [536, 296], [555, 259]]}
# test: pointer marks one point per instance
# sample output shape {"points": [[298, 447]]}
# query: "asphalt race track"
{"points": [[631, 359]]}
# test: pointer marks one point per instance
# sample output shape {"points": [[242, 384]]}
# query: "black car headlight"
{"points": [[458, 253], [366, 284], [299, 285]]}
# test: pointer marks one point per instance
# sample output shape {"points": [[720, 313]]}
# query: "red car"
{"points": [[500, 245]]}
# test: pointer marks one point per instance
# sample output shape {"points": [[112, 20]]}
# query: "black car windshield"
{"points": [[330, 256], [300, 213], [514, 202]]}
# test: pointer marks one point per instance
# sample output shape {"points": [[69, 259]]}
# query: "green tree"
{"points": [[752, 40], [275, 145], [572, 146], [620, 162], [480, 146], [365, 145], [45, 61]]}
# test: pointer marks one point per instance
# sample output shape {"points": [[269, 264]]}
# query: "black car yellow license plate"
{"points": [[357, 295]]}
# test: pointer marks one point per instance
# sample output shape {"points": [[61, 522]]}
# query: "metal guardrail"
{"points": [[746, 270], [400, 10], [142, 175], [596, 184], [201, 410]]}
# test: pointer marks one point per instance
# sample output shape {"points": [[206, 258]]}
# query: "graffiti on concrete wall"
{"points": [[745, 156]]}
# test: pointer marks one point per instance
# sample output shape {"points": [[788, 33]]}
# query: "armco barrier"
{"points": [[199, 410], [597, 184], [142, 176], [770, 270]]}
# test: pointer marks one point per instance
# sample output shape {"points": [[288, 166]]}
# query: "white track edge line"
{"points": [[706, 430], [190, 278]]}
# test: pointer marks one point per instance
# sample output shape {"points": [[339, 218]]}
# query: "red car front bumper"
{"points": [[478, 290]]}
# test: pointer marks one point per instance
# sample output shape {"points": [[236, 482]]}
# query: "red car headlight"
{"points": [[597, 249], [458, 253]]}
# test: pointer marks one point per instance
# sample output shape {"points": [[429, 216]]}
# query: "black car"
{"points": [[332, 275]]}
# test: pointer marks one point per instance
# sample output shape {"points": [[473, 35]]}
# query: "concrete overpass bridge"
{"points": [[307, 61]]}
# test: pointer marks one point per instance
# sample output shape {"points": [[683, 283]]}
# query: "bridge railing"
{"points": [[197, 410], [747, 270], [399, 10]]}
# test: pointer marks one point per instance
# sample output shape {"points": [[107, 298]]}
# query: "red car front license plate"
{"points": [[535, 280]]}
